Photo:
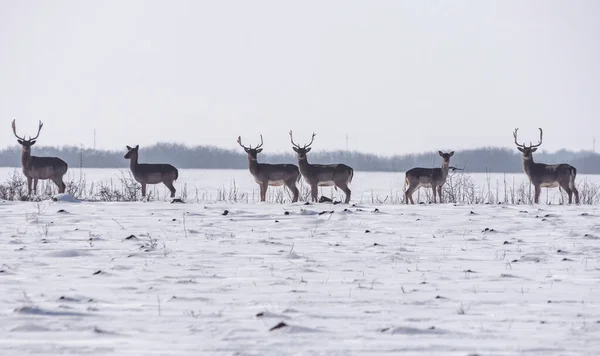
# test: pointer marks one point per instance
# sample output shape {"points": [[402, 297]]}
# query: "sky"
{"points": [[385, 77]]}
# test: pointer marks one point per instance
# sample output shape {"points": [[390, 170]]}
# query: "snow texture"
{"points": [[269, 279]]}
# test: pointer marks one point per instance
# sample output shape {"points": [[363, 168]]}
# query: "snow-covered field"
{"points": [[293, 279]]}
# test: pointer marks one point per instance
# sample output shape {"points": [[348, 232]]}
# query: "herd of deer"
{"points": [[316, 175]]}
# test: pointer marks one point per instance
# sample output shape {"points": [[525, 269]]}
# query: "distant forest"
{"points": [[487, 159]]}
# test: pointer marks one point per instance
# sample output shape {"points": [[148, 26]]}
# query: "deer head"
{"points": [[26, 143], [302, 151], [446, 156], [527, 150], [252, 152], [131, 151]]}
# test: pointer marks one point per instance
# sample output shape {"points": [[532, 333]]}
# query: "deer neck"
{"points": [[528, 164], [133, 162], [303, 164], [253, 165], [445, 169], [25, 158]]}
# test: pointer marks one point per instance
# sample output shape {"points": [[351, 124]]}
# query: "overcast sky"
{"points": [[394, 76]]}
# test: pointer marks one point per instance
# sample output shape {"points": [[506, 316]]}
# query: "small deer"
{"points": [[322, 175], [547, 175], [266, 174], [35, 168], [428, 177], [146, 173]]}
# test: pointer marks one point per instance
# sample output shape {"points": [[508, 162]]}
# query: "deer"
{"points": [[434, 178], [35, 168], [547, 175], [322, 175], [266, 174], [151, 173]]}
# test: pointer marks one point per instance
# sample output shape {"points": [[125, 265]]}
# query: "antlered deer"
{"points": [[322, 175], [428, 177], [266, 174], [35, 168], [151, 173], [547, 175]]}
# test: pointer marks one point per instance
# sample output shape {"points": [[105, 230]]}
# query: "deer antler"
{"points": [[292, 139], [261, 143], [538, 145], [239, 140], [311, 141], [515, 136], [305, 146], [530, 144], [38, 133], [14, 127]]}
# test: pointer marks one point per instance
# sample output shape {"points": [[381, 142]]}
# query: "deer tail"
{"points": [[351, 175], [572, 175]]}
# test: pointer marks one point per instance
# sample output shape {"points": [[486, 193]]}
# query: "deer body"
{"points": [[547, 175], [323, 175], [151, 173], [266, 174], [35, 168], [433, 178]]}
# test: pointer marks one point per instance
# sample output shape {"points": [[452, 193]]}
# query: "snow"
{"points": [[154, 278]]}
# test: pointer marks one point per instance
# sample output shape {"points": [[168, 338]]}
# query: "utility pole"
{"points": [[346, 142], [94, 139], [594, 144]]}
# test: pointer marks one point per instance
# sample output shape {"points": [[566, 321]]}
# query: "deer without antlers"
{"points": [[547, 175], [151, 173], [428, 177], [266, 174], [35, 168], [322, 175]]}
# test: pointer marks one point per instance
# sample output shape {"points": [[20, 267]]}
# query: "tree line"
{"points": [[485, 159]]}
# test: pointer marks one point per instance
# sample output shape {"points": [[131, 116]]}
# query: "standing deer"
{"points": [[266, 174], [146, 173], [428, 177], [547, 175], [322, 175], [35, 168]]}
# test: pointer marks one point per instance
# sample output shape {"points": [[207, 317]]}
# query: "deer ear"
{"points": [[295, 149], [31, 143], [20, 142], [440, 153], [128, 148], [451, 153], [520, 149], [308, 149], [259, 150], [534, 149], [137, 147]]}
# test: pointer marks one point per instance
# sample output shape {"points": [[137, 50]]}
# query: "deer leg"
{"points": [[169, 185], [292, 187], [569, 193], [538, 190], [143, 190], [62, 187], [263, 191], [314, 192], [434, 192], [35, 182], [439, 189], [346, 191], [576, 195], [409, 192], [29, 181]]}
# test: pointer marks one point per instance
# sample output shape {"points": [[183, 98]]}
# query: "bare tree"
{"points": [[35, 168], [547, 175], [151, 173], [428, 177], [322, 175]]}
